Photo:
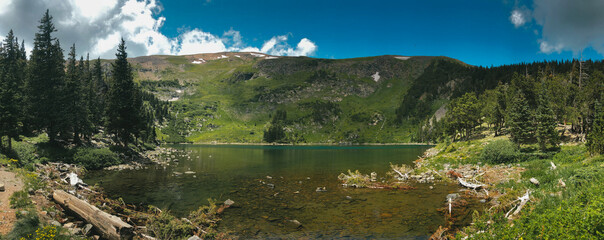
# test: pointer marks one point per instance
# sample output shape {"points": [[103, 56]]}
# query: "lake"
{"points": [[273, 184]]}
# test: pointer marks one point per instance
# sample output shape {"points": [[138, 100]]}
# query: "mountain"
{"points": [[232, 97]]}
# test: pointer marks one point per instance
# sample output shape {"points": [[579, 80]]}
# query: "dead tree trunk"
{"points": [[111, 227]]}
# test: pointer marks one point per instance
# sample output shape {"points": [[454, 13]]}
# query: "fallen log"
{"points": [[111, 227]]}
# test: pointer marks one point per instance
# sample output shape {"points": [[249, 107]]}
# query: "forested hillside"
{"points": [[234, 97]]}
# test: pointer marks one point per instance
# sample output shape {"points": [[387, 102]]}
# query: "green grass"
{"points": [[242, 109], [554, 212]]}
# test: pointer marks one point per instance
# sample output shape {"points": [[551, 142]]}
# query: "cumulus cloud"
{"points": [[568, 25], [278, 46], [197, 41], [518, 17], [97, 26]]}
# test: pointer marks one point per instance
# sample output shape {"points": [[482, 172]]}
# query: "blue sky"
{"points": [[478, 32]]}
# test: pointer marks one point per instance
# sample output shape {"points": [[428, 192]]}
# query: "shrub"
{"points": [[24, 227], [92, 158], [166, 226], [20, 199], [354, 179], [26, 152], [500, 151]]}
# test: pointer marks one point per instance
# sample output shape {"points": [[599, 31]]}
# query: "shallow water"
{"points": [[244, 174]]}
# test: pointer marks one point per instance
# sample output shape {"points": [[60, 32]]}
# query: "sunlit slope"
{"points": [[230, 97]]}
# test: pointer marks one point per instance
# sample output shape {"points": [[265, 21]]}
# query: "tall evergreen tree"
{"points": [[71, 101], [494, 105], [595, 138], [464, 115], [546, 122], [520, 119], [275, 132], [123, 107], [90, 99], [99, 89], [45, 81], [11, 78], [83, 126]]}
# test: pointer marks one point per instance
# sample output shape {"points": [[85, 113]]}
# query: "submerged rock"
{"points": [[452, 196], [229, 202], [321, 189], [294, 224]]}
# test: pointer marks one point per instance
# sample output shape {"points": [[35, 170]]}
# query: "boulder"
{"points": [[534, 181], [87, 229], [2, 187], [194, 238], [452, 196], [294, 224], [229, 202]]}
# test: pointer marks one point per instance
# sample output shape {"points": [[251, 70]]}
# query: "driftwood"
{"points": [[111, 227], [403, 176], [553, 167], [469, 185], [523, 200]]}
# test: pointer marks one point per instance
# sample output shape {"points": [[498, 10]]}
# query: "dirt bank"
{"points": [[12, 183]]}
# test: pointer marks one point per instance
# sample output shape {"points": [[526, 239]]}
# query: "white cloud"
{"points": [[546, 47], [4, 5], [278, 46], [517, 18], [96, 26], [196, 41], [93, 9], [564, 25], [305, 47], [106, 44]]}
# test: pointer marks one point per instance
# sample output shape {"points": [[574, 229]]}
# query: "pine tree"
{"points": [[70, 96], [99, 89], [83, 126], [520, 120], [123, 107], [45, 81], [275, 132], [89, 98], [463, 115], [11, 78], [595, 138], [546, 122]]}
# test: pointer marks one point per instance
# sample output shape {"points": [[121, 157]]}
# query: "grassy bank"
{"points": [[567, 202]]}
